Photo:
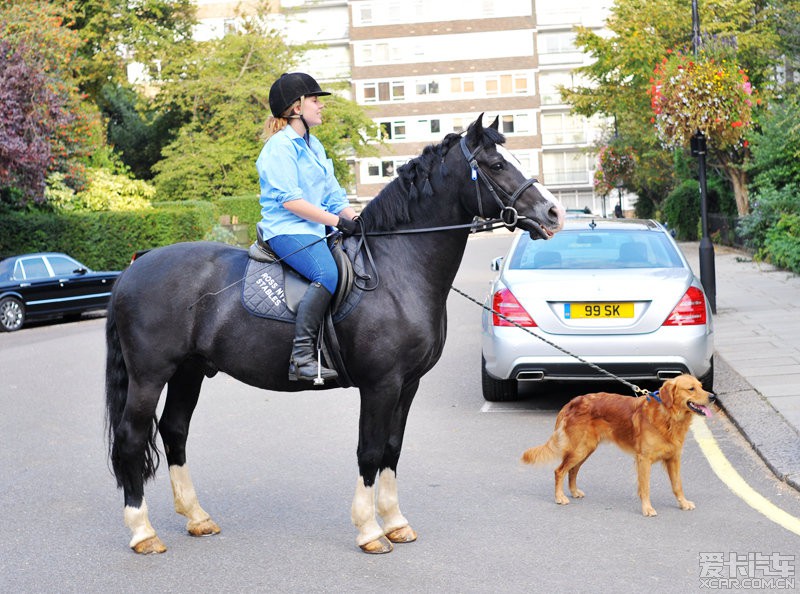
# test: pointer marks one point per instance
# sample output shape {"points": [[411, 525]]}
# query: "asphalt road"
{"points": [[277, 472]]}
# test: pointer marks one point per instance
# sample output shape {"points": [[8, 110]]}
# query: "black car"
{"points": [[49, 284]]}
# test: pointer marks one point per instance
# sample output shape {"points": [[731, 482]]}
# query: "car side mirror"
{"points": [[497, 263], [80, 271]]}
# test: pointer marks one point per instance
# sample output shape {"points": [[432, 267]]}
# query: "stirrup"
{"points": [[320, 377]]}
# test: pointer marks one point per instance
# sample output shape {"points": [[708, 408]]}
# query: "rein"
{"points": [[636, 389], [509, 217]]}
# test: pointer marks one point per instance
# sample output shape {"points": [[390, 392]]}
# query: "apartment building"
{"points": [[423, 69]]}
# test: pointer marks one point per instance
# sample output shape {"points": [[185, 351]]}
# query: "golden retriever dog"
{"points": [[652, 428]]}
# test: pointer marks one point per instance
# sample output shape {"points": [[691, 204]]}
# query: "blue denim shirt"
{"points": [[289, 169]]}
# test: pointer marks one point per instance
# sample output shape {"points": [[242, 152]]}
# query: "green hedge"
{"points": [[104, 240], [782, 244], [246, 209]]}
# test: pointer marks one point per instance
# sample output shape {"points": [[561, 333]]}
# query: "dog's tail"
{"points": [[547, 452]]}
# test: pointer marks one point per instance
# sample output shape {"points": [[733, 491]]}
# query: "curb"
{"points": [[765, 429]]}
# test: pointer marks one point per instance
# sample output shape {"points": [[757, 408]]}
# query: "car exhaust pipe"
{"points": [[530, 376], [666, 374]]}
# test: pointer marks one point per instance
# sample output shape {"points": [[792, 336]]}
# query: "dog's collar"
{"points": [[654, 395]]}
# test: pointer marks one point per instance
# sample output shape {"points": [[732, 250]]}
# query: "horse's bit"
{"points": [[508, 214]]}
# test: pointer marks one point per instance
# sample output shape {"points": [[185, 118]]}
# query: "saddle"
{"points": [[295, 285], [273, 290]]}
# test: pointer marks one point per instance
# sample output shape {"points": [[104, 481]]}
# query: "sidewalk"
{"points": [[757, 337]]}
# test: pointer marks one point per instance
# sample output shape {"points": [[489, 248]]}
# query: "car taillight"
{"points": [[690, 311], [505, 303]]}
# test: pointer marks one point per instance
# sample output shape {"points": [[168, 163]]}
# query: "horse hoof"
{"points": [[205, 527], [377, 547], [404, 534], [149, 546]]}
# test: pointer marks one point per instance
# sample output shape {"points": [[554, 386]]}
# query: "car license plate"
{"points": [[598, 310]]}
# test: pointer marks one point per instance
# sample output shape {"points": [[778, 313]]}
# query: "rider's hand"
{"points": [[347, 226]]}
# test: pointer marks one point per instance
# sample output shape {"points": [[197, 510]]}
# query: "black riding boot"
{"points": [[303, 364]]}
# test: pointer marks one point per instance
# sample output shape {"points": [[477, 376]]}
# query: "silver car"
{"points": [[618, 293]]}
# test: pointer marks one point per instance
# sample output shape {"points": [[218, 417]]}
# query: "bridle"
{"points": [[508, 214]]}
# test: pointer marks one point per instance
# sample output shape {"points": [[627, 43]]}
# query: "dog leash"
{"points": [[636, 389]]}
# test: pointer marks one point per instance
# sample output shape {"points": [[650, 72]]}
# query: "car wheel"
{"points": [[708, 379], [12, 314], [495, 390]]}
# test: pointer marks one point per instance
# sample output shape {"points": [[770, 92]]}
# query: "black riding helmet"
{"points": [[289, 88]]}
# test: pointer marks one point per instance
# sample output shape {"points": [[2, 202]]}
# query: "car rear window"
{"points": [[597, 249], [31, 268]]}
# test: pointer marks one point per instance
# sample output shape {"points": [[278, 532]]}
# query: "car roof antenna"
{"points": [[592, 225]]}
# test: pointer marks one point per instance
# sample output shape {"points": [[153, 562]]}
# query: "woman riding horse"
{"points": [[172, 322], [299, 197]]}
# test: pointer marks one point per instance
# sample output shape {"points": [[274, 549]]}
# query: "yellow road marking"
{"points": [[728, 475]]}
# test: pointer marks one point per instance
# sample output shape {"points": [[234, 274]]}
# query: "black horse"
{"points": [[164, 329]]}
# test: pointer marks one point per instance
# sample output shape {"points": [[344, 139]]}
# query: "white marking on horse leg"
{"points": [[183, 493], [362, 513], [136, 519], [388, 502]]}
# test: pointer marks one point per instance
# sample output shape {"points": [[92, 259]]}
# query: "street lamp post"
{"points": [[706, 254]]}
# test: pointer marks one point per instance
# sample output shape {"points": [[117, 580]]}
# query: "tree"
{"points": [[136, 129], [116, 33], [31, 115], [34, 34], [642, 31], [691, 94], [221, 90]]}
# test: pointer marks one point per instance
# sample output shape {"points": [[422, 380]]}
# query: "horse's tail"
{"points": [[116, 397]]}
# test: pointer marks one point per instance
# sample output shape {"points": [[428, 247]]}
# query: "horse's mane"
{"points": [[394, 203]]}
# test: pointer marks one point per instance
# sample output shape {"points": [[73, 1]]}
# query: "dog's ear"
{"points": [[666, 393]]}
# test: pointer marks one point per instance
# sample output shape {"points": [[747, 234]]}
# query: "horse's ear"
{"points": [[496, 123], [478, 125], [475, 130]]}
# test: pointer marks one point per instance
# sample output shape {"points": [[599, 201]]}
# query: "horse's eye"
{"points": [[499, 166]]}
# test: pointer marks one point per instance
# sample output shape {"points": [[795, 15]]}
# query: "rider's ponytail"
{"points": [[273, 124]]}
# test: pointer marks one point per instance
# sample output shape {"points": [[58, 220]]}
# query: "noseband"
{"points": [[508, 214]]}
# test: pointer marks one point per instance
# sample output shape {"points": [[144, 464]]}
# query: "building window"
{"points": [[549, 83], [563, 128], [458, 125], [384, 91], [556, 43], [393, 130], [382, 170], [425, 127], [506, 84], [567, 168], [229, 27], [365, 14], [387, 168], [370, 93], [459, 85], [427, 88], [398, 91]]}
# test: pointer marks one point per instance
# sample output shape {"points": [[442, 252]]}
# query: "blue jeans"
{"points": [[315, 262]]}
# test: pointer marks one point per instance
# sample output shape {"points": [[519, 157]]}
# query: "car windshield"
{"points": [[597, 249]]}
